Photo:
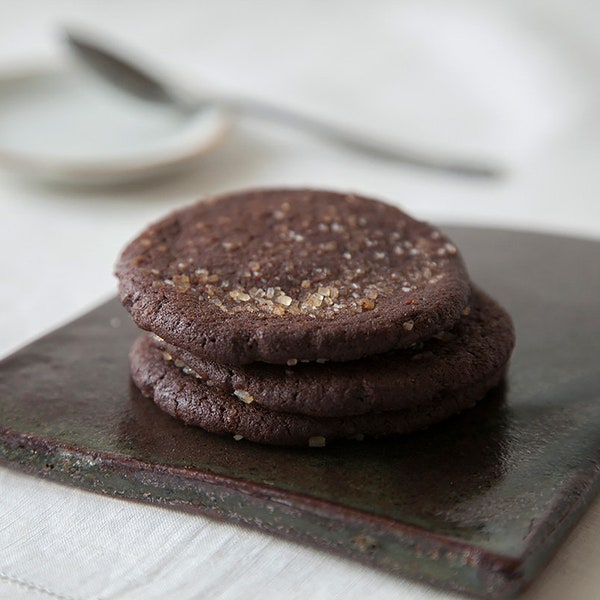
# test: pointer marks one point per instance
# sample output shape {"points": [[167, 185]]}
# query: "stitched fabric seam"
{"points": [[32, 586]]}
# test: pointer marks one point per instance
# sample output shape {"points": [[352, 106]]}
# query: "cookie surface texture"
{"points": [[285, 275], [471, 353], [190, 400]]}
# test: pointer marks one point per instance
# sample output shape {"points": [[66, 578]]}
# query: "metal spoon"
{"points": [[139, 82]]}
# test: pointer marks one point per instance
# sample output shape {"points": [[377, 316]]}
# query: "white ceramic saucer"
{"points": [[62, 125]]}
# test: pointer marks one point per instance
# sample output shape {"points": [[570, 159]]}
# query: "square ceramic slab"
{"points": [[477, 504]]}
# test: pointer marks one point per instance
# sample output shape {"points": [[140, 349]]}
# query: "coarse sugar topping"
{"points": [[302, 256]]}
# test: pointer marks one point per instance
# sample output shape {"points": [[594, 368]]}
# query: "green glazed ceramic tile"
{"points": [[477, 504]]}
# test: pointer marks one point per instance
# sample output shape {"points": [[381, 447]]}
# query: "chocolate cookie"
{"points": [[190, 400], [285, 275], [470, 354]]}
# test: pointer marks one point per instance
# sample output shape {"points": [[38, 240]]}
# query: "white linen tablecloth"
{"points": [[517, 84]]}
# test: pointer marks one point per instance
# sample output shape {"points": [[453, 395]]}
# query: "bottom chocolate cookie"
{"points": [[189, 399]]}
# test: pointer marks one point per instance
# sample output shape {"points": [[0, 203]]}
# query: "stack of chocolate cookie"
{"points": [[297, 317]]}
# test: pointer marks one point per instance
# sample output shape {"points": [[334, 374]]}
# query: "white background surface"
{"points": [[514, 82]]}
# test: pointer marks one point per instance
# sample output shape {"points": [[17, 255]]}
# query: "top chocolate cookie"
{"points": [[286, 275]]}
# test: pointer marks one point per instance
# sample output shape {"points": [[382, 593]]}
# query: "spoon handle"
{"points": [[355, 141]]}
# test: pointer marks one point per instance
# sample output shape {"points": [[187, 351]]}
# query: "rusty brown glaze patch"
{"points": [[477, 504]]}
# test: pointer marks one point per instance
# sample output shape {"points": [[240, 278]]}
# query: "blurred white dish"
{"points": [[59, 125]]}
